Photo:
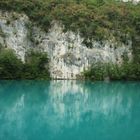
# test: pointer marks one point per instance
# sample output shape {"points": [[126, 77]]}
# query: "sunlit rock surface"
{"points": [[69, 57], [133, 1], [14, 33]]}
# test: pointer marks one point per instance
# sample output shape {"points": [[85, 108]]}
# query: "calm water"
{"points": [[69, 110]]}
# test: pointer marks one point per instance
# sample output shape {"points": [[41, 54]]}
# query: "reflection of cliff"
{"points": [[71, 102], [19, 102], [53, 106]]}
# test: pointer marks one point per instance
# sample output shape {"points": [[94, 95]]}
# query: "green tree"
{"points": [[10, 65]]}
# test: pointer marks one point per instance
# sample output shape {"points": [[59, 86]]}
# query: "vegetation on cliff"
{"points": [[97, 19], [35, 66], [109, 71]]}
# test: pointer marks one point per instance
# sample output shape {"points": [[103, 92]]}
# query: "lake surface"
{"points": [[69, 110]]}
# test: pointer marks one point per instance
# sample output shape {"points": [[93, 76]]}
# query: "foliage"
{"points": [[126, 71], [93, 18], [10, 66], [36, 67]]}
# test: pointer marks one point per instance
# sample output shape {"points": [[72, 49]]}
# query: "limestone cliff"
{"points": [[66, 51]]}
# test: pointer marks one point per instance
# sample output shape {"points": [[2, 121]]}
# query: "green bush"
{"points": [[10, 66], [35, 67], [100, 71]]}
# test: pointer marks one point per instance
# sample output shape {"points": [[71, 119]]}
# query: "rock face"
{"points": [[14, 33], [68, 55], [133, 1]]}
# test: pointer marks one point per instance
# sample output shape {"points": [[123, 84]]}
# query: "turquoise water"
{"points": [[69, 110]]}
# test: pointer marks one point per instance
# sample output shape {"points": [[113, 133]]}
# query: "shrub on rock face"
{"points": [[10, 65], [35, 66], [127, 71]]}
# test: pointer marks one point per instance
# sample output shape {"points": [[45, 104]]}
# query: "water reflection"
{"points": [[49, 108], [69, 101]]}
